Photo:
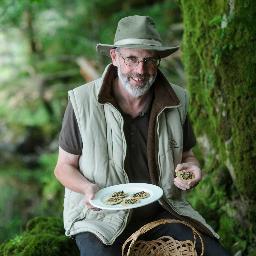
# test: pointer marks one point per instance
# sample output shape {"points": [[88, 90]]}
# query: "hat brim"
{"points": [[162, 51]]}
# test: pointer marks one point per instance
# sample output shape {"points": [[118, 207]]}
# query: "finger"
{"points": [[96, 209], [193, 183], [180, 184], [197, 175], [93, 208], [183, 166], [178, 167], [90, 206], [183, 183]]}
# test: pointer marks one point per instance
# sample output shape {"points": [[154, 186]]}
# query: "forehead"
{"points": [[137, 52]]}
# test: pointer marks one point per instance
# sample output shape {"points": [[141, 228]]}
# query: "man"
{"points": [[131, 125]]}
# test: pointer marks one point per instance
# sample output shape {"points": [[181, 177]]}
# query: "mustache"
{"points": [[140, 76]]}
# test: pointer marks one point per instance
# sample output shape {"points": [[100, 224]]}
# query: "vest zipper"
{"points": [[124, 155]]}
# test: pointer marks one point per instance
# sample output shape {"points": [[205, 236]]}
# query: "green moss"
{"points": [[220, 61], [219, 56], [43, 236]]}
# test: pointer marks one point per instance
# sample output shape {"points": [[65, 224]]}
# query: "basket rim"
{"points": [[130, 242]]}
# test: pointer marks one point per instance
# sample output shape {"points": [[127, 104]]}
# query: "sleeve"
{"points": [[70, 138], [189, 139]]}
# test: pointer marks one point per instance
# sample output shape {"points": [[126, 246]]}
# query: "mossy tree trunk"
{"points": [[219, 52]]}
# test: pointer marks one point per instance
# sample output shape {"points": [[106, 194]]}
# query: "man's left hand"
{"points": [[190, 183]]}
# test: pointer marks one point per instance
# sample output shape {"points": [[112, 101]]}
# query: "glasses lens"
{"points": [[151, 61], [133, 61]]}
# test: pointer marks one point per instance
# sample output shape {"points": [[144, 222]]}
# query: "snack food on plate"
{"points": [[141, 195], [129, 201], [114, 200], [120, 197], [119, 194]]}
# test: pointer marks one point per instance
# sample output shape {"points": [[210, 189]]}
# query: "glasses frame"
{"points": [[145, 61]]}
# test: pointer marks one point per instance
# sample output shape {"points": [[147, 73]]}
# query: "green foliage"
{"points": [[43, 236], [217, 200], [27, 193], [8, 228], [52, 191], [212, 200]]}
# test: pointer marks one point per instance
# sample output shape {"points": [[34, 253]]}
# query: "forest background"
{"points": [[48, 47]]}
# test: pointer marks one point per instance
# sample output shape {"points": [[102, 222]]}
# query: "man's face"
{"points": [[137, 69]]}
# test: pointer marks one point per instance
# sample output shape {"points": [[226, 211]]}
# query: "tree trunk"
{"points": [[219, 53], [29, 26]]}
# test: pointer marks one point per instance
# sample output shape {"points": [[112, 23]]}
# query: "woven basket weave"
{"points": [[163, 246]]}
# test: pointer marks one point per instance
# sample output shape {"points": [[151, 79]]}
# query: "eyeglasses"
{"points": [[133, 61]]}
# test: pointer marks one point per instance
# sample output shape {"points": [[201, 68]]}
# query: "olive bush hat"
{"points": [[137, 32]]}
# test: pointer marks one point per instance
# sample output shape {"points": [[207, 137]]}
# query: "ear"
{"points": [[113, 55]]}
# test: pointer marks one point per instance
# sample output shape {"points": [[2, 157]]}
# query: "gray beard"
{"points": [[135, 91]]}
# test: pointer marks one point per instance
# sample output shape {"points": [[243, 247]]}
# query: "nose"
{"points": [[140, 68]]}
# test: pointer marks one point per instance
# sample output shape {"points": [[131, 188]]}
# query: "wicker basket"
{"points": [[163, 246]]}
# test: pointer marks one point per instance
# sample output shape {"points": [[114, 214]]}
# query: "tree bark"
{"points": [[29, 19], [219, 53]]}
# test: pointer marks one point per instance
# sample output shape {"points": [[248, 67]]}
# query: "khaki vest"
{"points": [[102, 161]]}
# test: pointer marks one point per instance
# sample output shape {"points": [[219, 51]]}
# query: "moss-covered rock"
{"points": [[43, 236]]}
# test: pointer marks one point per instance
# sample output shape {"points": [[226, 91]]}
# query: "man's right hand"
{"points": [[89, 193], [66, 171]]}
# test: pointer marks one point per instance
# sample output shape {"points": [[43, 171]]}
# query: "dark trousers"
{"points": [[90, 245]]}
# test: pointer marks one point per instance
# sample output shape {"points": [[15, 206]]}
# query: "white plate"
{"points": [[129, 188]]}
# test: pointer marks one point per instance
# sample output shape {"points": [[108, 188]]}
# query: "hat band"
{"points": [[129, 41]]}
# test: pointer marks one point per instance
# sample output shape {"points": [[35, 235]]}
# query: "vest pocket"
{"points": [[91, 214], [166, 168]]}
